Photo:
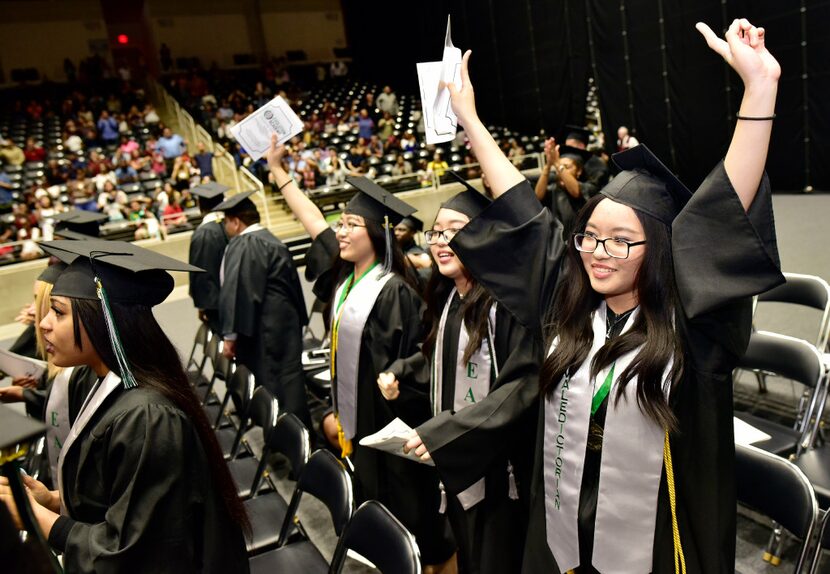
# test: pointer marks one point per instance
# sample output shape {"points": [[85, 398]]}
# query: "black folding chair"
{"points": [[248, 473], [240, 391], [212, 347], [375, 534], [326, 479], [266, 511], [223, 368], [793, 359], [200, 341], [776, 488], [822, 542]]}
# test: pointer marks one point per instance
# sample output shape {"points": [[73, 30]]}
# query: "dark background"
{"points": [[532, 60]]}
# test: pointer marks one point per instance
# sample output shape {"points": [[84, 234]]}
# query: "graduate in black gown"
{"points": [[635, 452], [143, 485], [479, 364], [261, 306], [560, 186], [376, 319], [58, 397], [207, 246], [595, 169]]}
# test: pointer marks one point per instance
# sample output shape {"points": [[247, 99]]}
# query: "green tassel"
{"points": [[387, 233], [127, 377]]}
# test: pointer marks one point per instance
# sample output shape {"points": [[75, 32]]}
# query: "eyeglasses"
{"points": [[432, 236], [614, 247], [346, 226]]}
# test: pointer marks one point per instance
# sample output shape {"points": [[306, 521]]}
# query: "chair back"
{"points": [[199, 341], [778, 489], [374, 533], [240, 391], [784, 356], [262, 412], [290, 437], [326, 479], [809, 291]]}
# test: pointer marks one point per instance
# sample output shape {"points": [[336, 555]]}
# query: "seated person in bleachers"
{"points": [[173, 215], [401, 167], [47, 208], [125, 173], [437, 166], [151, 117], [80, 187], [56, 173], [182, 172], [107, 129], [27, 231], [365, 124], [33, 151], [147, 226], [128, 146], [105, 175], [375, 146], [10, 154], [408, 142], [112, 201]]}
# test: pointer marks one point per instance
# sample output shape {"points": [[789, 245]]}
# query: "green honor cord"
{"points": [[126, 374], [603, 391]]}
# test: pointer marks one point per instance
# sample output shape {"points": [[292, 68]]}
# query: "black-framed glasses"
{"points": [[614, 247], [432, 235], [346, 226]]}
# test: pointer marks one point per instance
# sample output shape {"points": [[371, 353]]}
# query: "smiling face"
{"points": [[448, 264], [57, 328], [355, 246], [615, 278]]}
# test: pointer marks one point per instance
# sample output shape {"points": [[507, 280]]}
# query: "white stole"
{"points": [[630, 470], [93, 402], [353, 316], [57, 417], [472, 380]]}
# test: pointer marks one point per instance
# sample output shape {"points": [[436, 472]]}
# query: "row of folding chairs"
{"points": [[278, 541], [798, 449]]}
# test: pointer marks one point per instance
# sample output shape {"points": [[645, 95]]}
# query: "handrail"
{"points": [[260, 190]]}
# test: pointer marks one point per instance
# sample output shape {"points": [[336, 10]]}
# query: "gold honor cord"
{"points": [[13, 453], [679, 559]]}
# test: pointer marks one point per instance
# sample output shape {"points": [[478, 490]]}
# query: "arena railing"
{"points": [[247, 176]]}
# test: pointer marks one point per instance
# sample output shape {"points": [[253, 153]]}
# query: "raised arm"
{"points": [[744, 50], [501, 173], [307, 212]]}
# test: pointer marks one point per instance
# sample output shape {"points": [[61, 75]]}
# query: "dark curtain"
{"points": [[532, 60]]}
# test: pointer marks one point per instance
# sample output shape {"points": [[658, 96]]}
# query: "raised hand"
{"points": [[551, 152], [389, 386], [463, 101], [275, 154], [744, 50]]}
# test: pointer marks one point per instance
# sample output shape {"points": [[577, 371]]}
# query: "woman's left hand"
{"points": [[745, 51], [44, 517], [25, 382], [416, 443]]}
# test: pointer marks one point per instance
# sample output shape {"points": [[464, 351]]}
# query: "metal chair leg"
{"points": [[772, 553]]}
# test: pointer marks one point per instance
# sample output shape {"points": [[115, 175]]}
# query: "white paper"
{"points": [[440, 122], [746, 434], [275, 117], [391, 439], [15, 365]]}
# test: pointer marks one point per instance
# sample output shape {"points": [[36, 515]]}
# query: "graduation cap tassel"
{"points": [[442, 509], [512, 491], [387, 233], [127, 377]]}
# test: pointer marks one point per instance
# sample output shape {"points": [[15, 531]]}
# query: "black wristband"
{"points": [[756, 118], [283, 185]]}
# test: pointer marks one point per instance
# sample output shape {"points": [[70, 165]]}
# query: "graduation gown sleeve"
{"points": [[467, 443], [518, 226], [319, 264]]}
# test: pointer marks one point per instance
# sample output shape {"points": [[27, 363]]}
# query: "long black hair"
{"points": [[156, 364], [652, 332], [475, 309]]}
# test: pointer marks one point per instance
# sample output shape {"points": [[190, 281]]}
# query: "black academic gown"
{"points": [[261, 300], [207, 246], [564, 206], [80, 383], [26, 343], [479, 440], [722, 256], [393, 330], [597, 171], [140, 497]]}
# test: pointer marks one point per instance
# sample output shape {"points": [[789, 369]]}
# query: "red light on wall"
{"points": [[123, 38]]}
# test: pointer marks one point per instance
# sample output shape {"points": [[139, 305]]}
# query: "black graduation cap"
{"points": [[413, 223], [574, 153], [236, 203], [16, 429], [80, 221], [130, 274], [69, 234], [375, 203], [50, 274], [209, 190], [578, 133], [647, 185], [470, 202]]}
